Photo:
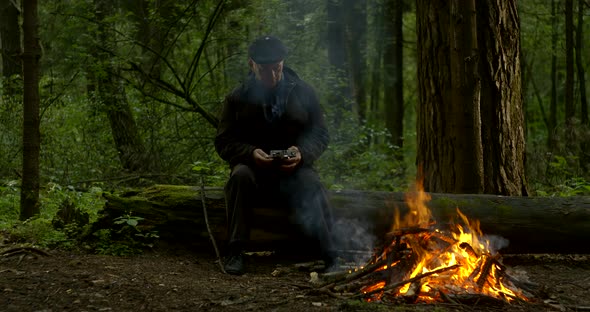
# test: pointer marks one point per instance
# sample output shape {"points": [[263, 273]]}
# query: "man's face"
{"points": [[268, 74]]}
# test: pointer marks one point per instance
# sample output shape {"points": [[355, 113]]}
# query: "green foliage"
{"points": [[214, 173], [40, 230], [128, 238], [361, 157]]}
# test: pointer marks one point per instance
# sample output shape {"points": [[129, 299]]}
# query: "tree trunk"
{"points": [[580, 64], [434, 83], [470, 96], [111, 94], [531, 224], [465, 173], [376, 61], [340, 94], [393, 68], [29, 199], [570, 111], [553, 108], [356, 45], [501, 99], [153, 20], [584, 153], [11, 45]]}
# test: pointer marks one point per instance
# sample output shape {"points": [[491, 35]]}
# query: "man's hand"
{"points": [[262, 159], [289, 164]]}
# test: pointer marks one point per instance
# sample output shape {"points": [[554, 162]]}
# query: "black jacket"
{"points": [[247, 121]]}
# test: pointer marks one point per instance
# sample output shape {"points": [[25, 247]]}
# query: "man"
{"points": [[272, 110]]}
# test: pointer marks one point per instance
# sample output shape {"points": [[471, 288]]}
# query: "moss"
{"points": [[504, 209], [445, 204]]}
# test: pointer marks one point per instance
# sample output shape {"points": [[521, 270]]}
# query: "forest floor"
{"points": [[181, 279]]}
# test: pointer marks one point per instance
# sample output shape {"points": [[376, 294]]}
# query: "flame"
{"points": [[478, 271], [419, 214]]}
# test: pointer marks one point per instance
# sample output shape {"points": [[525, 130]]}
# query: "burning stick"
{"points": [[406, 231], [470, 251], [486, 269], [354, 275], [411, 280]]}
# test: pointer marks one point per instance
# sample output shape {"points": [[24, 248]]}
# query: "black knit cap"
{"points": [[267, 50]]}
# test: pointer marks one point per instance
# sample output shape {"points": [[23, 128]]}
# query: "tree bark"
{"points": [[29, 199], [580, 64], [393, 68], [465, 173], [112, 98], [501, 98], [531, 224], [584, 153], [470, 115], [377, 61], [434, 83], [553, 108], [10, 43], [340, 95], [356, 45], [570, 111]]}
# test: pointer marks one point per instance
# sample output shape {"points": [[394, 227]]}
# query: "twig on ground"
{"points": [[22, 250]]}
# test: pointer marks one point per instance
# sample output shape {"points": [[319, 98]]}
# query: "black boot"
{"points": [[234, 262]]}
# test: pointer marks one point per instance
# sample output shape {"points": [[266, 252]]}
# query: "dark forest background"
{"points": [[129, 92]]}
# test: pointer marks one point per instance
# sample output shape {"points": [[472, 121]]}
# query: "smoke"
{"points": [[353, 240], [495, 243]]}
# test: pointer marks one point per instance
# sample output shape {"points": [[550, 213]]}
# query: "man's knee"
{"points": [[242, 174]]}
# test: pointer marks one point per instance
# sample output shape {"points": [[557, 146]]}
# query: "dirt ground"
{"points": [[177, 279]]}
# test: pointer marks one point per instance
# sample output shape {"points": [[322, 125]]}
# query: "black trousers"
{"points": [[301, 191]]}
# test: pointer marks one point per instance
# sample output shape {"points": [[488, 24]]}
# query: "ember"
{"points": [[421, 263]]}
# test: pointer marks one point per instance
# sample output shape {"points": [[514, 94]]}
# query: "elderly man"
{"points": [[272, 110]]}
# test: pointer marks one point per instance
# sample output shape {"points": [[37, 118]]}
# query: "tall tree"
{"points": [[112, 97], [570, 112], [470, 93], [10, 42], [584, 154], [580, 64], [393, 71], [29, 199], [340, 94], [501, 98], [377, 56], [553, 106], [356, 45], [153, 21]]}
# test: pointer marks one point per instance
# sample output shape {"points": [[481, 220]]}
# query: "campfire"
{"points": [[422, 263]]}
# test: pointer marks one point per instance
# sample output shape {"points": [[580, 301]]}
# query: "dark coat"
{"points": [[247, 121]]}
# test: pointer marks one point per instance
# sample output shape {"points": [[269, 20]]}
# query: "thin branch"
{"points": [[58, 96], [209, 227], [172, 89], [195, 62]]}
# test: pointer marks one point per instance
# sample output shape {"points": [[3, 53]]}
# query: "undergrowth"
{"points": [[48, 230]]}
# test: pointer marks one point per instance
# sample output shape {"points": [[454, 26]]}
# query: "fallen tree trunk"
{"points": [[531, 224]]}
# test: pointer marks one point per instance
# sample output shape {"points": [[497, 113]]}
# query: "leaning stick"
{"points": [[209, 227]]}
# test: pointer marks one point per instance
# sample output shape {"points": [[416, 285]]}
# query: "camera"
{"points": [[282, 154]]}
